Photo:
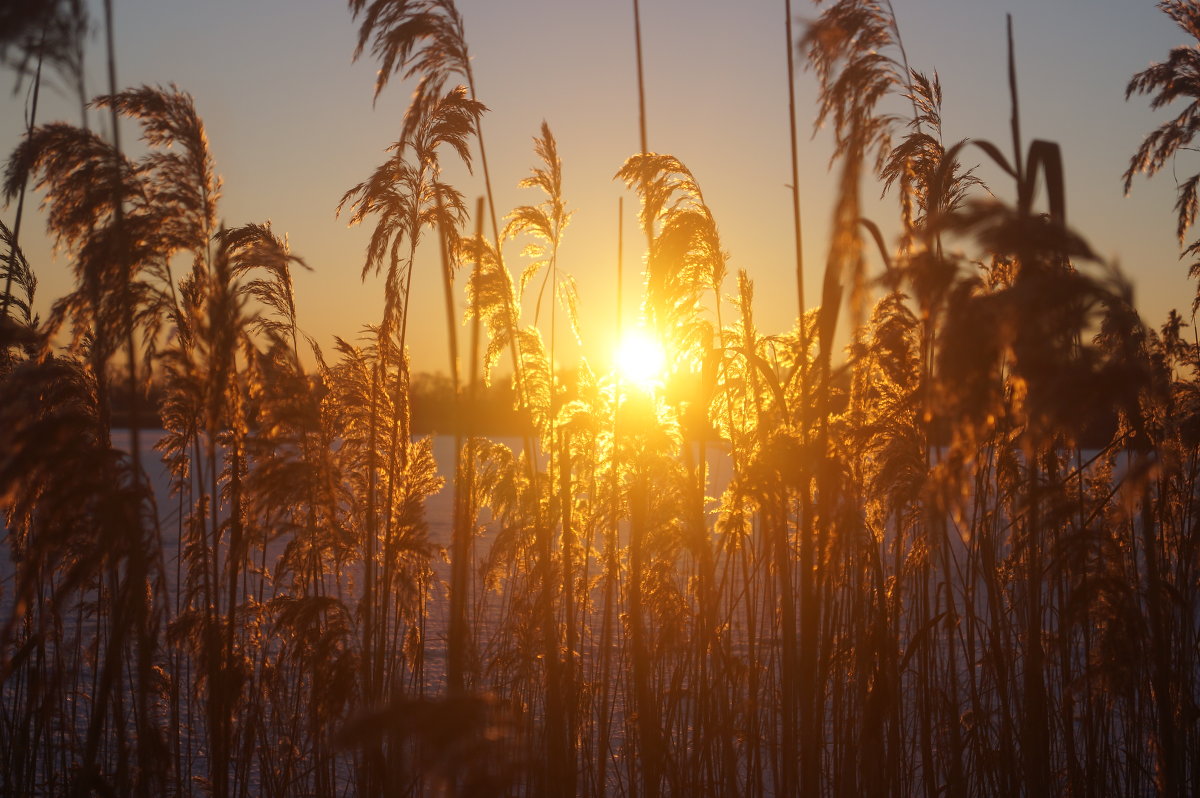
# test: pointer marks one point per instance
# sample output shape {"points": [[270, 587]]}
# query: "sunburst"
{"points": [[640, 359]]}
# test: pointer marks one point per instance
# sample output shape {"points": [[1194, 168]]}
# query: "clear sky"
{"points": [[292, 126]]}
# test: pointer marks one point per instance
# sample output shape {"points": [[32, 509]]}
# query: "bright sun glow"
{"points": [[640, 359]]}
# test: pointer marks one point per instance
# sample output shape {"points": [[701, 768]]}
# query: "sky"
{"points": [[292, 124]]}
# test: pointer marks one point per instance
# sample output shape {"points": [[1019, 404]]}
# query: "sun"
{"points": [[640, 359]]}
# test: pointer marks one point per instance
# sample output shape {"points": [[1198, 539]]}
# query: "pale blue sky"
{"points": [[292, 126]]}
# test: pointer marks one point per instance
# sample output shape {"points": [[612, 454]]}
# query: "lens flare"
{"points": [[640, 359]]}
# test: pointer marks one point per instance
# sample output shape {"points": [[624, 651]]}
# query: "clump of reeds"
{"points": [[930, 571]]}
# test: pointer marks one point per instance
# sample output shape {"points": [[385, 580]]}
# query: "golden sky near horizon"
{"points": [[292, 126]]}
